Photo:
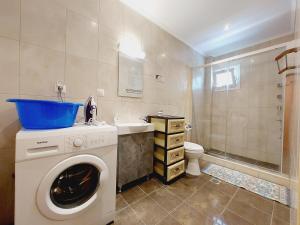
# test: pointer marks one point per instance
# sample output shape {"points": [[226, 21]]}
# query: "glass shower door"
{"points": [[247, 110]]}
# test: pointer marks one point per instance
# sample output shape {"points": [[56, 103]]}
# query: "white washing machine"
{"points": [[66, 176]]}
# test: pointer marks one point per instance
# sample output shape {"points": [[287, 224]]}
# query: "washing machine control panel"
{"points": [[89, 141]]}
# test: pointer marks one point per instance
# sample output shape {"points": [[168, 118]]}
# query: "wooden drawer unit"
{"points": [[168, 150], [170, 172], [169, 141], [169, 157], [168, 126]]}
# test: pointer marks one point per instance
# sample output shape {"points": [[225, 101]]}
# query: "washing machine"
{"points": [[66, 176]]}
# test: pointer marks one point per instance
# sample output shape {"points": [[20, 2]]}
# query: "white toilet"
{"points": [[193, 152]]}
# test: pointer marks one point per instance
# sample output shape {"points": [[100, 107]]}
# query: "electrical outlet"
{"points": [[60, 86]]}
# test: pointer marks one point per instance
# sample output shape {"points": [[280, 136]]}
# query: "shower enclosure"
{"points": [[238, 109]]}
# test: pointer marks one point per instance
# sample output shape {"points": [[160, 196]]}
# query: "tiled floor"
{"points": [[196, 201]]}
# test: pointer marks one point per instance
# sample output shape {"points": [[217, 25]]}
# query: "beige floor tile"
{"points": [[165, 199], [254, 200], [223, 187], [208, 201], [150, 185], [185, 215], [127, 217], [276, 221], [195, 181], [249, 213], [182, 190], [120, 202], [148, 211], [230, 218], [133, 194], [281, 212], [169, 221]]}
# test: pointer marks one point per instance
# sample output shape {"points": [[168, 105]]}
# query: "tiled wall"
{"points": [[76, 41], [244, 121]]}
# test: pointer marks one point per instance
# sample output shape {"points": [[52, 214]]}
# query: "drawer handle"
{"points": [[177, 169], [174, 156], [177, 154]]}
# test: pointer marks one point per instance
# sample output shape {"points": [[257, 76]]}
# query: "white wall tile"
{"points": [[88, 8], [10, 18], [43, 23], [81, 77], [108, 48], [108, 80], [9, 123], [110, 17], [9, 64], [40, 69], [82, 36]]}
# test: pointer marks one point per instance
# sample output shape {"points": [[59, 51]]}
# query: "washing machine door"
{"points": [[71, 187]]}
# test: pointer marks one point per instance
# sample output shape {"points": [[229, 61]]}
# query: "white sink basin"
{"points": [[131, 128]]}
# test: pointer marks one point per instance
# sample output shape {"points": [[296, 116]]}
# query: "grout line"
{"points": [[20, 36], [127, 204], [231, 199], [66, 34], [98, 50], [184, 201], [239, 216], [137, 215], [272, 212], [148, 195], [167, 213]]}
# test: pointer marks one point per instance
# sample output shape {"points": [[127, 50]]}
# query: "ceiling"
{"points": [[216, 27]]}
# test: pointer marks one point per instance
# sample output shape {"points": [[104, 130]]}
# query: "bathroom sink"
{"points": [[130, 128]]}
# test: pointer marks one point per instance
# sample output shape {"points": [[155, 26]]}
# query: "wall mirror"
{"points": [[131, 76]]}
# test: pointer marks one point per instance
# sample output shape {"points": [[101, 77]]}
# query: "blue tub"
{"points": [[44, 114]]}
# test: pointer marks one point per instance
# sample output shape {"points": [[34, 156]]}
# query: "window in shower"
{"points": [[227, 78]]}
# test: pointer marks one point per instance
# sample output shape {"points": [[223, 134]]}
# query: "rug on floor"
{"points": [[262, 187]]}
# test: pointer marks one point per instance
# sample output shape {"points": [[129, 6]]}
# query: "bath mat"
{"points": [[262, 187]]}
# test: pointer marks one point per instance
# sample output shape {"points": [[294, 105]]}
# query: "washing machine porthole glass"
{"points": [[75, 185]]}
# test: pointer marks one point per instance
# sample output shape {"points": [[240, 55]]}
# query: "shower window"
{"points": [[227, 78]]}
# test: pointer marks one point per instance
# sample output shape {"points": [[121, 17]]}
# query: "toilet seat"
{"points": [[192, 147]]}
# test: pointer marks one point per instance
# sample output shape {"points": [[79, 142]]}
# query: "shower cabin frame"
{"points": [[254, 169]]}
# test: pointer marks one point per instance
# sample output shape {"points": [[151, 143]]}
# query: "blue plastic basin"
{"points": [[44, 114]]}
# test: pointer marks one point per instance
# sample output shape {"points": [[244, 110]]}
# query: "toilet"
{"points": [[193, 152]]}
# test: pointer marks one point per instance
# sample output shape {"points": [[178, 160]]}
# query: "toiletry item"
{"points": [[90, 111]]}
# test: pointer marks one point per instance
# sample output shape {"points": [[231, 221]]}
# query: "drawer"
{"points": [[172, 171], [173, 155], [159, 168], [172, 126], [173, 140], [175, 170], [175, 126]]}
